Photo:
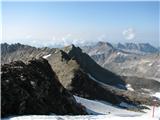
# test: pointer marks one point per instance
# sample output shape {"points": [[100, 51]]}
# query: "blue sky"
{"points": [[50, 23]]}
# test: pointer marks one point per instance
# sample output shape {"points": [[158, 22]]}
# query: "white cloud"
{"points": [[102, 37], [128, 33], [28, 37], [66, 40], [70, 39], [53, 38]]}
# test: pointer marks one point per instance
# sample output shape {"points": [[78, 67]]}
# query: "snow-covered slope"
{"points": [[101, 111], [116, 113], [87, 117], [104, 108]]}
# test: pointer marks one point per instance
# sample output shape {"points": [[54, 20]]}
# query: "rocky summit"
{"points": [[33, 88]]}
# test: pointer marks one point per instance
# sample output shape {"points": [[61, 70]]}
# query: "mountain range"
{"points": [[130, 59], [140, 47], [79, 74]]}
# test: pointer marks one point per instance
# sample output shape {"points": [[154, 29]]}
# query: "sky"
{"points": [[63, 23]]}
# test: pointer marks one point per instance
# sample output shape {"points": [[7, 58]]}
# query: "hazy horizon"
{"points": [[55, 23]]}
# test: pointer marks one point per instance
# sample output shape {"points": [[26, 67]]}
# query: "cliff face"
{"points": [[33, 88]]}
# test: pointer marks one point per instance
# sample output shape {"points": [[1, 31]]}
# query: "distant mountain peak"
{"points": [[7, 48], [137, 47], [72, 48], [102, 43], [121, 46]]}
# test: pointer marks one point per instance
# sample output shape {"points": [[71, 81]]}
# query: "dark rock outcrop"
{"points": [[90, 66], [34, 88]]}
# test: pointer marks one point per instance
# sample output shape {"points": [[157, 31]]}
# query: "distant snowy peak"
{"points": [[105, 47], [141, 47], [146, 47], [6, 48], [101, 43], [101, 48]]}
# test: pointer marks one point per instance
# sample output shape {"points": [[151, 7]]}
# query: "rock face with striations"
{"points": [[33, 88]]}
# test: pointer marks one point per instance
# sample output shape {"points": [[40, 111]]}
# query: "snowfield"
{"points": [[100, 111], [87, 117], [103, 108]]}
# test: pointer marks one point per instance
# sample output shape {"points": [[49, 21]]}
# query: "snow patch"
{"points": [[145, 89], [150, 64], [121, 54], [129, 87], [118, 53], [98, 107], [56, 51], [157, 94], [46, 56]]}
